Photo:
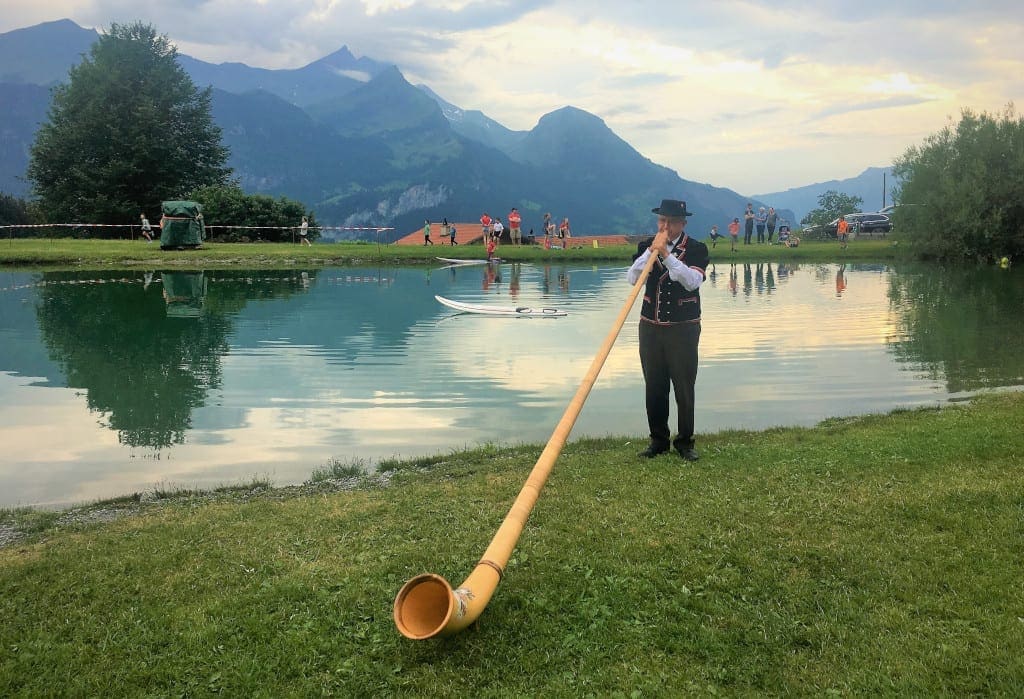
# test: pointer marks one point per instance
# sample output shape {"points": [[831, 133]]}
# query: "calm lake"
{"points": [[117, 382]]}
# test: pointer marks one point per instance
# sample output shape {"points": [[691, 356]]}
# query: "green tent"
{"points": [[181, 224]]}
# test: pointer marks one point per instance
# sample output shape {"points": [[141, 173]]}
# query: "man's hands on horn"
{"points": [[659, 245]]}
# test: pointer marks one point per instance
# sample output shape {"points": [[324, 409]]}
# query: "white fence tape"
{"points": [[135, 225]]}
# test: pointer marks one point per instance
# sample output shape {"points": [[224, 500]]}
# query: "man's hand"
{"points": [[659, 245]]}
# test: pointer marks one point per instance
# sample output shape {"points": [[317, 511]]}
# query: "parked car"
{"points": [[862, 222], [869, 222], [813, 232]]}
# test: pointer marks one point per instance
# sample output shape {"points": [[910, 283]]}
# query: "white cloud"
{"points": [[754, 96]]}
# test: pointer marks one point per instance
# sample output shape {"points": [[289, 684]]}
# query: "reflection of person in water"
{"points": [[490, 276], [513, 284], [732, 279], [841, 280]]}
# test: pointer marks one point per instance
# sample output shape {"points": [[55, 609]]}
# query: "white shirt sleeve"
{"points": [[690, 278], [678, 271], [638, 266]]}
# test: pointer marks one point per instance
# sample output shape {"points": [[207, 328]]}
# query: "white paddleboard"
{"points": [[520, 311], [453, 261]]}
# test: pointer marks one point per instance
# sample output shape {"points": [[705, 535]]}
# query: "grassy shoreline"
{"points": [[62, 253], [869, 555]]}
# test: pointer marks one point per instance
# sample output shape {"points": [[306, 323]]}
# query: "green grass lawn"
{"points": [[90, 254], [881, 555]]}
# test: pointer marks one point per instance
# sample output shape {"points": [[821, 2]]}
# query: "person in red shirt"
{"points": [[734, 232], [514, 222], [842, 231], [485, 222], [491, 245]]}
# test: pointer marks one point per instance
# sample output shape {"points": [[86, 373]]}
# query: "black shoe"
{"points": [[689, 453], [651, 451]]}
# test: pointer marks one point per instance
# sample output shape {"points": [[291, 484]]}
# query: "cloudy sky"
{"points": [[754, 96]]}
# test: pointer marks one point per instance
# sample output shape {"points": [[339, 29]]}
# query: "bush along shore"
{"points": [[872, 555]]}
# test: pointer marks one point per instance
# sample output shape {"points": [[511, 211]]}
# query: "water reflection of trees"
{"points": [[962, 324], [146, 354]]}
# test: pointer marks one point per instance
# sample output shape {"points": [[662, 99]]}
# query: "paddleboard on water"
{"points": [[454, 261], [520, 311]]}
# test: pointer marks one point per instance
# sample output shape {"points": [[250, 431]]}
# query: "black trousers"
{"points": [[668, 356]]}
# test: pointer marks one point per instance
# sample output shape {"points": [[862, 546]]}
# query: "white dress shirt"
{"points": [[690, 278]]}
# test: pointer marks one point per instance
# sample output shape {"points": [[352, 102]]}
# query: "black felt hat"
{"points": [[672, 208]]}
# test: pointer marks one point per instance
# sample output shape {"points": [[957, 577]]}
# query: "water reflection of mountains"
{"points": [[145, 364]]}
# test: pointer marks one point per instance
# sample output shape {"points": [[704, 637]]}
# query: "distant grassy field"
{"points": [[871, 556], [66, 252]]}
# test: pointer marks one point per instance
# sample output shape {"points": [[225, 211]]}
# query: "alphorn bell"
{"points": [[427, 606]]}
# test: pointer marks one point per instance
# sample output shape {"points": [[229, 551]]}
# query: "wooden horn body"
{"points": [[427, 605]]}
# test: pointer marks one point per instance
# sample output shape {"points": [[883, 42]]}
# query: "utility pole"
{"points": [[883, 189]]}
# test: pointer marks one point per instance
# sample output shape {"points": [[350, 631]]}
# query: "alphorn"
{"points": [[427, 606]]}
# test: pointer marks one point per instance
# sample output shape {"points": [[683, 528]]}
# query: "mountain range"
{"points": [[361, 146], [874, 187]]}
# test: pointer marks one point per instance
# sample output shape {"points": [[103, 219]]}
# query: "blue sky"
{"points": [[754, 96]]}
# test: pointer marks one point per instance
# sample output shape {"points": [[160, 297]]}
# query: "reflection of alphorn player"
{"points": [[427, 605]]}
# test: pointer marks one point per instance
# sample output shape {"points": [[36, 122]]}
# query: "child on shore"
{"points": [[734, 232], [147, 230]]}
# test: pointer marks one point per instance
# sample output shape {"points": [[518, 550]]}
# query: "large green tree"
{"points": [[832, 205], [128, 130], [962, 195]]}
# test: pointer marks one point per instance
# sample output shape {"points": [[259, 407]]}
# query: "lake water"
{"points": [[118, 382]]}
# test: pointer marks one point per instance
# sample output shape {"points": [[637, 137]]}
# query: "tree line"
{"points": [[963, 189], [129, 129]]}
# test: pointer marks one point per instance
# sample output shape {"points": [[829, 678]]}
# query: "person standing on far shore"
{"points": [[147, 230], [734, 232], [773, 218], [514, 223], [549, 226], [760, 220], [485, 227], [842, 231], [748, 224], [304, 232]]}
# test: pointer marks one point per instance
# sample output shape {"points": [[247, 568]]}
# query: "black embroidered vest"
{"points": [[667, 302]]}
